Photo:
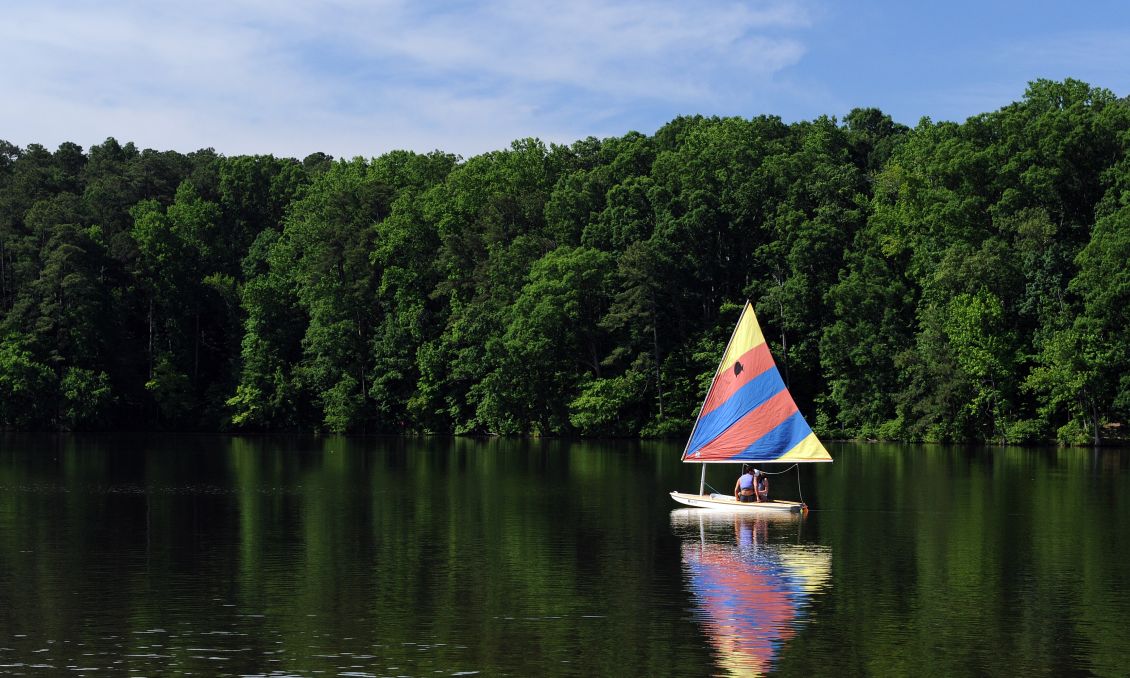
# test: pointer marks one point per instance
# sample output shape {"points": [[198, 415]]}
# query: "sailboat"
{"points": [[748, 415]]}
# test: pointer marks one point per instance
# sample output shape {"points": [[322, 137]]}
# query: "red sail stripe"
{"points": [[750, 428], [754, 362]]}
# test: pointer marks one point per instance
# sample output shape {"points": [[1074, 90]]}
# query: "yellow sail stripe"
{"points": [[746, 336], [809, 449]]}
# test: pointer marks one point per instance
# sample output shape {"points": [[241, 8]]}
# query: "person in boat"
{"points": [[761, 485], [744, 488]]}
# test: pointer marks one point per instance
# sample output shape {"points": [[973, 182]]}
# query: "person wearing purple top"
{"points": [[744, 488]]}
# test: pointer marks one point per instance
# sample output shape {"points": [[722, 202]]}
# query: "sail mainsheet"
{"points": [[748, 414]]}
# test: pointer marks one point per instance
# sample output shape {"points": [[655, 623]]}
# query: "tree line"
{"points": [[946, 282]]}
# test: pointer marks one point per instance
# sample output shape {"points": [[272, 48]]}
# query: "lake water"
{"points": [[436, 556]]}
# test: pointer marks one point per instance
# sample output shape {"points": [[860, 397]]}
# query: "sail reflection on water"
{"points": [[752, 581]]}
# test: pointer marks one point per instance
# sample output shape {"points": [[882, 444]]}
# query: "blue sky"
{"points": [[361, 77]]}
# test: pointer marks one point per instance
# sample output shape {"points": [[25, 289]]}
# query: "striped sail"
{"points": [[748, 414]]}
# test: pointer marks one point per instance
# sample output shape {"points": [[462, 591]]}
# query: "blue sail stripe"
{"points": [[778, 442], [744, 400]]}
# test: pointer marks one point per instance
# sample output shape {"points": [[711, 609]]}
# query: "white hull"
{"points": [[730, 504]]}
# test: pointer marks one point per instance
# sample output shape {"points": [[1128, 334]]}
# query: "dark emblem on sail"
{"points": [[738, 368]]}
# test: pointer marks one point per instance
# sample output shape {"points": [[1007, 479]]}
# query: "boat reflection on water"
{"points": [[751, 580]]}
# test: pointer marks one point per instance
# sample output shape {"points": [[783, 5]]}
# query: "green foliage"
{"points": [[553, 330], [86, 396], [950, 282], [600, 408], [26, 388], [983, 349], [171, 391], [343, 405]]}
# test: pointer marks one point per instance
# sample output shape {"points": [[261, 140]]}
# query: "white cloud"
{"points": [[359, 77]]}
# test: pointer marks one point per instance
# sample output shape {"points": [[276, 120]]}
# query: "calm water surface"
{"points": [[220, 556]]}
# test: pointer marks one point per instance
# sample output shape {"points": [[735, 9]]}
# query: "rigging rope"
{"points": [[799, 493], [797, 467], [775, 473]]}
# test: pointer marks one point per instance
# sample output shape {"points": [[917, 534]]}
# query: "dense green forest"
{"points": [[947, 282]]}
